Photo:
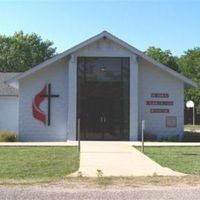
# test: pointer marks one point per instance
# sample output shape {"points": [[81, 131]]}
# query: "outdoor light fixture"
{"points": [[102, 69]]}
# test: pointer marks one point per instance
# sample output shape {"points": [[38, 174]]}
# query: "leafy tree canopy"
{"points": [[21, 52], [164, 57], [189, 65]]}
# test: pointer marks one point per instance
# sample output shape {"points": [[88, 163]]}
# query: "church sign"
{"points": [[159, 103], [39, 114]]}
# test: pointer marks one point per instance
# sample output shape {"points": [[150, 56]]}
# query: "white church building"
{"points": [[109, 86]]}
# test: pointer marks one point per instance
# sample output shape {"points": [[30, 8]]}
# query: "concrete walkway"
{"points": [[118, 159]]}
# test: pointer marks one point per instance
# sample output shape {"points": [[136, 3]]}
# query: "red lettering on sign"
{"points": [[159, 95], [158, 110], [160, 103]]}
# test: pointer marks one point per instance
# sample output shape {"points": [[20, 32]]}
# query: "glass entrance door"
{"points": [[101, 115], [103, 98]]}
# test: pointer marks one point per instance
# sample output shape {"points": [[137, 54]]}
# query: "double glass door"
{"points": [[103, 98]]}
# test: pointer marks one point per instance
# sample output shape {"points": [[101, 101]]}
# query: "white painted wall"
{"points": [[153, 80], [29, 128], [9, 113]]}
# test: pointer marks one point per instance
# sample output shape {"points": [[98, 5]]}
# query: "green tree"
{"points": [[164, 57], [21, 52], [189, 65]]}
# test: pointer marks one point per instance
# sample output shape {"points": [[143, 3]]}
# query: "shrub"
{"points": [[8, 136], [191, 137], [150, 137], [173, 138], [153, 137]]}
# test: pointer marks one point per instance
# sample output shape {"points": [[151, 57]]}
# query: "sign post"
{"points": [[143, 127], [79, 136], [190, 104]]}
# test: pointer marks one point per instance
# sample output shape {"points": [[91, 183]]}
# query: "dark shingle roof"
{"points": [[6, 90]]}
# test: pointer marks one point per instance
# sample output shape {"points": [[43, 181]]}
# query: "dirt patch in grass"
{"points": [[129, 181], [114, 182]]}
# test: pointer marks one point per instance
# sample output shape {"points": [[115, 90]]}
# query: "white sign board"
{"points": [[190, 104]]}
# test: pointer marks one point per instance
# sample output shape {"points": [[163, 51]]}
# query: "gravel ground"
{"points": [[60, 193]]}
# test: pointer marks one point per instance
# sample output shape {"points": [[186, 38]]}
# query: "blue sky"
{"points": [[173, 25]]}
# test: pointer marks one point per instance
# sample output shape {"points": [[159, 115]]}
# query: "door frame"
{"points": [[78, 89]]}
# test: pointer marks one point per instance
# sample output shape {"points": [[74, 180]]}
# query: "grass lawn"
{"points": [[37, 163], [191, 127], [182, 159]]}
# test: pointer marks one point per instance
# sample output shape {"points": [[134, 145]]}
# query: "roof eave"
{"points": [[13, 81], [190, 85], [188, 82]]}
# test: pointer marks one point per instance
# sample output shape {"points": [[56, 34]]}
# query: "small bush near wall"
{"points": [[7, 136], [191, 137], [150, 137], [188, 136], [153, 137], [173, 138]]}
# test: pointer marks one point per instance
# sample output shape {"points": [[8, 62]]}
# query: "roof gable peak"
{"points": [[94, 39]]}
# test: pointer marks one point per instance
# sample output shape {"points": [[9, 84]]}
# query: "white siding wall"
{"points": [[9, 113], [29, 128], [153, 80]]}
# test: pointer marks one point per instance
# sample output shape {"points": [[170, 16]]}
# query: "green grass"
{"points": [[37, 163], [191, 127], [182, 159]]}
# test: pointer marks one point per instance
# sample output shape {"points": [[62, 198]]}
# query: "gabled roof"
{"points": [[6, 90], [104, 34]]}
